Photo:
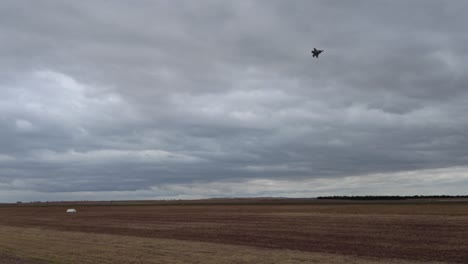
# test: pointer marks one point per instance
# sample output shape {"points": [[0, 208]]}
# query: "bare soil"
{"points": [[429, 231], [60, 247], [9, 259]]}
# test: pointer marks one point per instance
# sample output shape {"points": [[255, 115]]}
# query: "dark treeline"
{"points": [[391, 197]]}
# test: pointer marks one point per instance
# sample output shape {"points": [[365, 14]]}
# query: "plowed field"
{"points": [[428, 231]]}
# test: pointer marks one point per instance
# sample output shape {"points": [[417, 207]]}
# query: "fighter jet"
{"points": [[316, 52]]}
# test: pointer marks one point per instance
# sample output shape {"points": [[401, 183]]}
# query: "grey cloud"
{"points": [[112, 96]]}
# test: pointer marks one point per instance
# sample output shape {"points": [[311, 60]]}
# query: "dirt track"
{"points": [[409, 231]]}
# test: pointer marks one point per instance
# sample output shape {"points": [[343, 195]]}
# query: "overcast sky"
{"points": [[197, 99]]}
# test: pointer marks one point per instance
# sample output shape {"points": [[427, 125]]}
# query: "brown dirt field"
{"points": [[405, 231], [9, 259], [60, 247]]}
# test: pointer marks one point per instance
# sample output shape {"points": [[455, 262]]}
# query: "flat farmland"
{"points": [[306, 232]]}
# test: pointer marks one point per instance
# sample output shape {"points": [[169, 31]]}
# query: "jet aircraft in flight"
{"points": [[316, 52]]}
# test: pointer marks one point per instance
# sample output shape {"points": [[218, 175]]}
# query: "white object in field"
{"points": [[71, 211]]}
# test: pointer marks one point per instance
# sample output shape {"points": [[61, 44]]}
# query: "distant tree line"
{"points": [[391, 197]]}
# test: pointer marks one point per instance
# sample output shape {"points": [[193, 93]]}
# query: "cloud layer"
{"points": [[180, 99]]}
